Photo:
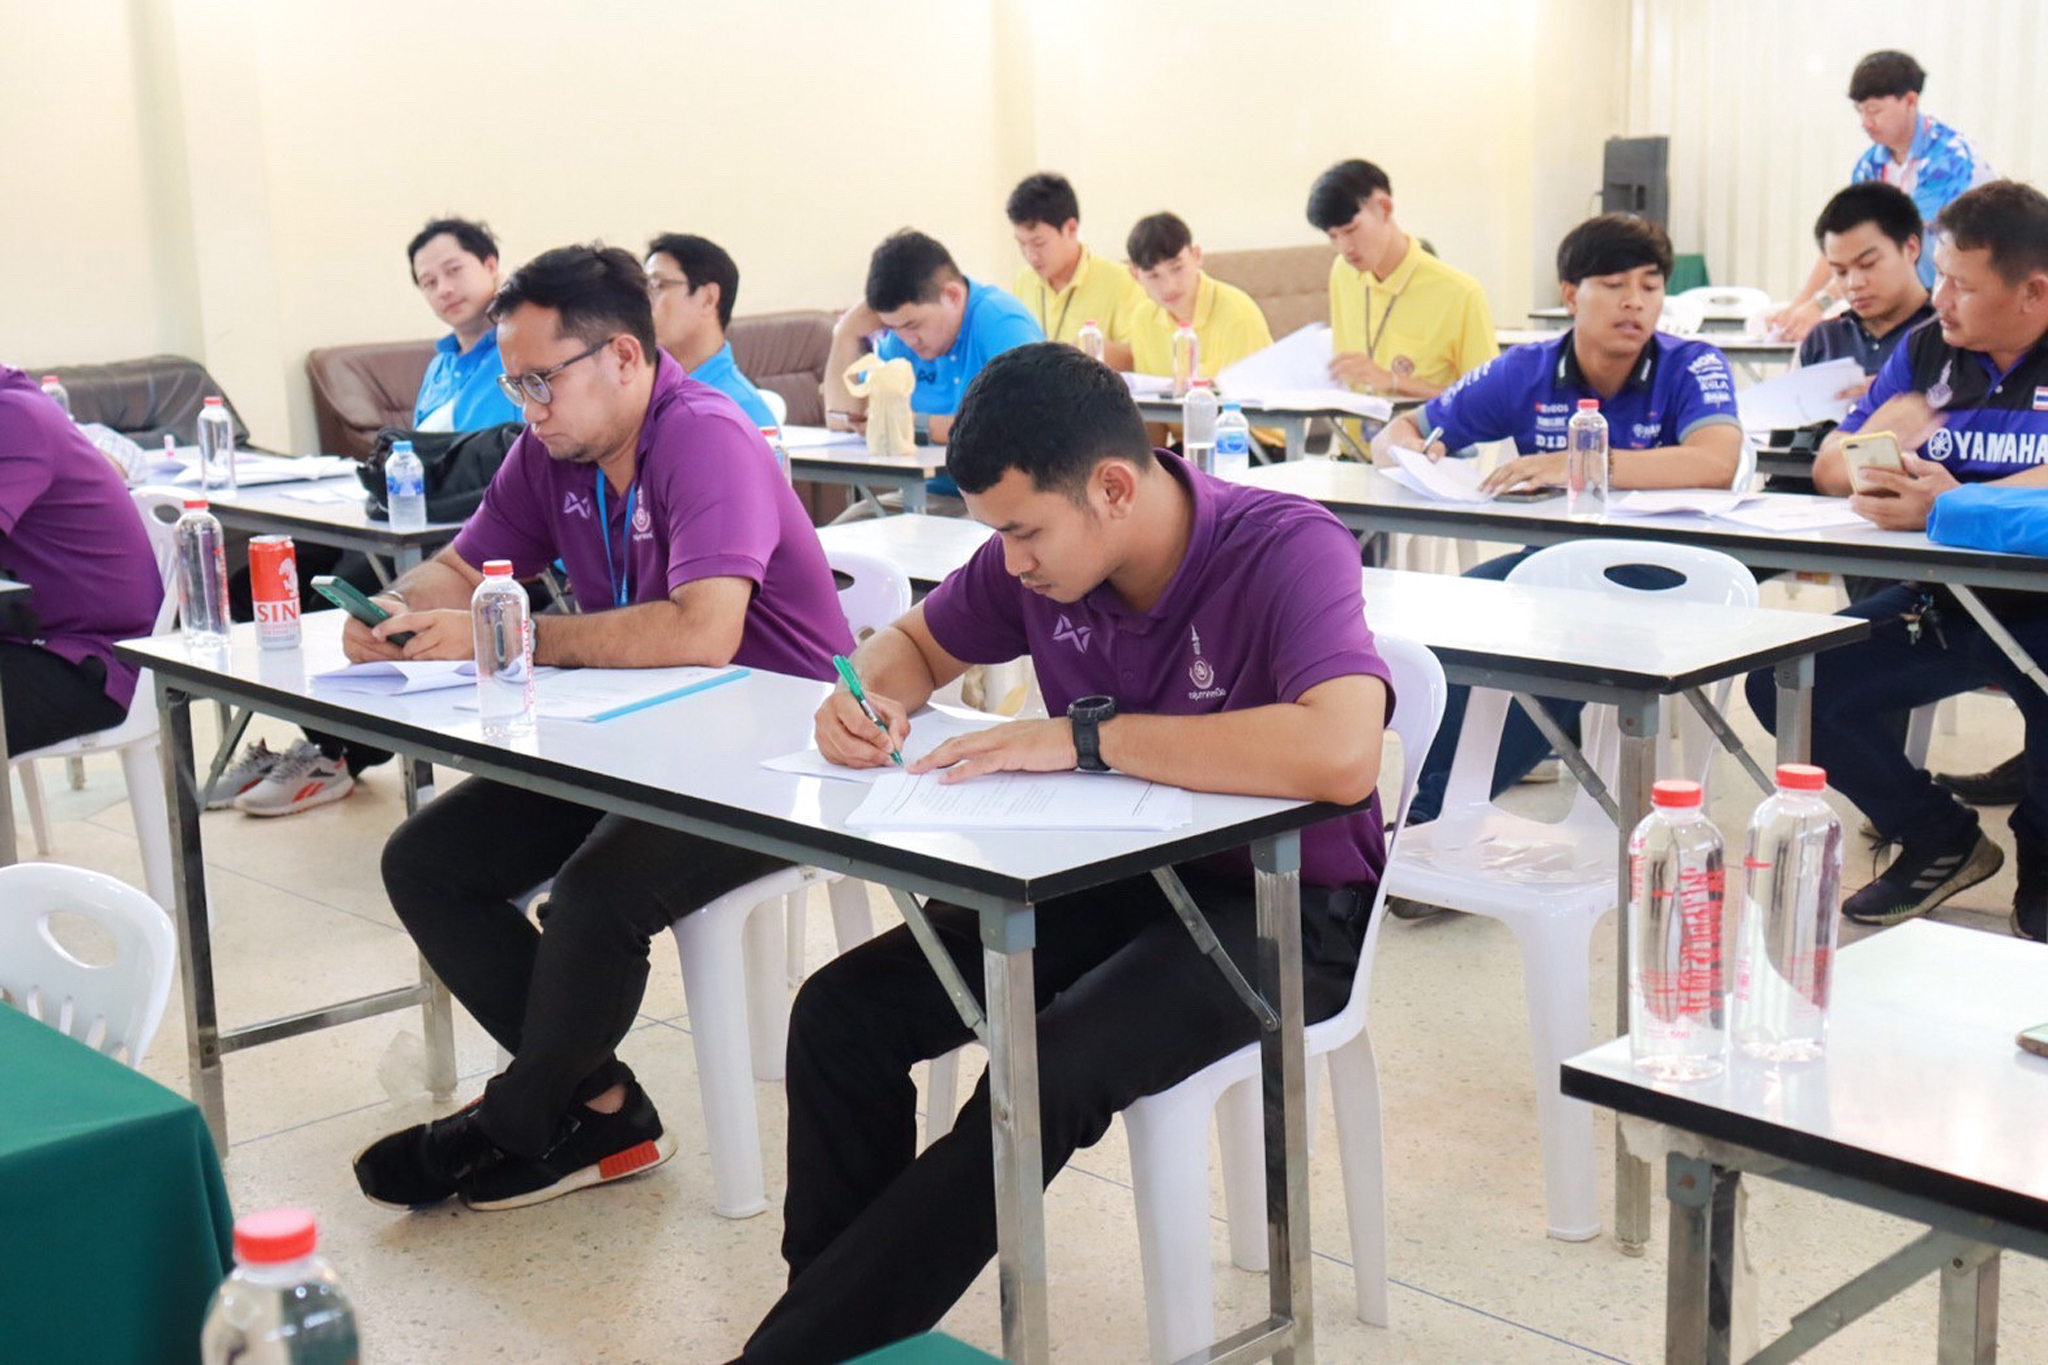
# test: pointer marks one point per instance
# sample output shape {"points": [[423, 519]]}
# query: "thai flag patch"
{"points": [[2041, 399]]}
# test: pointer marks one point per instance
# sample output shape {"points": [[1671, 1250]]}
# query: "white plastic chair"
{"points": [[1682, 316], [1551, 883], [1725, 302], [1169, 1132], [135, 738], [112, 1008], [778, 406], [735, 960]]}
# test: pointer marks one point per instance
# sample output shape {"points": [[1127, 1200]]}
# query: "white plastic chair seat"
{"points": [[114, 1008]]}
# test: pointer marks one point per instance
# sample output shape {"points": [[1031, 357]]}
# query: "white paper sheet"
{"points": [[598, 694], [928, 730], [1022, 801], [1657, 502], [1299, 360], [335, 494], [1792, 512], [1446, 480], [810, 438], [252, 469], [395, 677], [1148, 385], [1320, 400], [1799, 397]]}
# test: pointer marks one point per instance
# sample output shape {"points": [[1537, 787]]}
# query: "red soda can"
{"points": [[274, 587]]}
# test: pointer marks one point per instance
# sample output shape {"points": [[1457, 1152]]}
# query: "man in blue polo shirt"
{"points": [[694, 284], [1671, 423], [455, 267], [943, 323], [1970, 394]]}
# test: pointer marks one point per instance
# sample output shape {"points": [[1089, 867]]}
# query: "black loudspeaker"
{"points": [[1635, 178]]}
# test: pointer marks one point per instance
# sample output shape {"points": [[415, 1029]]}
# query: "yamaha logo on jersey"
{"points": [[1940, 445]]}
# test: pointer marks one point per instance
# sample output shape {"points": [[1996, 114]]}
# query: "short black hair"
{"points": [[1886, 73], [473, 237], [596, 290], [702, 262], [1046, 197], [1873, 201], [2007, 218], [908, 267], [1048, 410], [1157, 237], [1334, 199], [1611, 244]]}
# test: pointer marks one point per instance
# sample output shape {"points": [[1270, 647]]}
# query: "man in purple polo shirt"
{"points": [[70, 531], [1184, 629], [685, 545]]}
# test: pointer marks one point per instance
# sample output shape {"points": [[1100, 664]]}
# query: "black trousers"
{"points": [[48, 698], [882, 1240], [558, 1001]]}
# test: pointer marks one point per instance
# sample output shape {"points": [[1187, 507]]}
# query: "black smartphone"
{"points": [[345, 596], [1528, 495]]}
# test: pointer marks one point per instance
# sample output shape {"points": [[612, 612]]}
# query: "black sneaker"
{"points": [[590, 1149], [1923, 876], [2030, 896], [424, 1164], [2003, 785], [1400, 907]]}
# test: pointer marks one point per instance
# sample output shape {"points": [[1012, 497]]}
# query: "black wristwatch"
{"points": [[1086, 716]]}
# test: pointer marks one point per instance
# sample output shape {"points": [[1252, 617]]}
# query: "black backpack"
{"points": [[459, 466]]}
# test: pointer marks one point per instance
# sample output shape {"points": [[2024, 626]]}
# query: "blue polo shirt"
{"points": [[992, 323], [1529, 393], [1995, 423], [460, 392], [1940, 165], [1848, 336], [722, 372]]}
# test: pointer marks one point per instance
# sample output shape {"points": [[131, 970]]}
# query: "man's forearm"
{"points": [[890, 665], [845, 350], [648, 635], [1679, 466], [1285, 750]]}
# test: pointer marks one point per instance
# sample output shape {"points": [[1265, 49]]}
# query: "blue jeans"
{"points": [[1860, 690]]}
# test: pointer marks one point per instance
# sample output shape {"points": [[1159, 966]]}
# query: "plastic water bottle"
{"points": [[1676, 1003], [281, 1305], [1233, 443], [405, 488], [504, 652], [216, 450], [1585, 463], [202, 576], [59, 395], [1792, 893], [1198, 426], [773, 436], [1187, 358], [1089, 339]]}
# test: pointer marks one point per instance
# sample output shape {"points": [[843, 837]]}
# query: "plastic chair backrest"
{"points": [[160, 508], [114, 1008], [778, 406], [1726, 300], [878, 594], [1682, 317]]}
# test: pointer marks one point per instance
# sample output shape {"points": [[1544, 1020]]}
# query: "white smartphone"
{"points": [[1871, 450]]}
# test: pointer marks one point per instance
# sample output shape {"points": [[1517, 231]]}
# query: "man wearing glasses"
{"points": [[685, 545], [693, 284]]}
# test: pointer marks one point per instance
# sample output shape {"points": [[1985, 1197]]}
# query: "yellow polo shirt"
{"points": [[1228, 324], [1102, 290], [1426, 312]]}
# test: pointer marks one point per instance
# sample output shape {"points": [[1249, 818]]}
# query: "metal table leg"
{"points": [[914, 496], [195, 937], [1795, 709], [1639, 717], [1969, 1309], [1007, 938], [437, 1007], [1700, 1293], [1283, 1062]]}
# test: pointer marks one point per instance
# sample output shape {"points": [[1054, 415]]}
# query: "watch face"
{"points": [[1092, 708]]}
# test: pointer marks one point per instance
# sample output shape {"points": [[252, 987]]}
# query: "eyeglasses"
{"points": [[657, 285], [534, 383]]}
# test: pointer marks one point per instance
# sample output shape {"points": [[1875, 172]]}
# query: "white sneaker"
{"points": [[303, 778], [257, 762]]}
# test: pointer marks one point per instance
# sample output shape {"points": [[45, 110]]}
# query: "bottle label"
{"points": [[398, 484], [1233, 442]]}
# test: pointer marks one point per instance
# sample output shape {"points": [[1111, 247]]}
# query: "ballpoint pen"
{"points": [[860, 697]]}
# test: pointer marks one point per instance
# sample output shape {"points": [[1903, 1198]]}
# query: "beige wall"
{"points": [[236, 179]]}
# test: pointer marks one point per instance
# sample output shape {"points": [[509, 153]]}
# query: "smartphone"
{"points": [[2034, 1040], [1871, 450], [345, 596], [1527, 495]]}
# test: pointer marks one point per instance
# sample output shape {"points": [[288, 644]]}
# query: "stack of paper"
{"points": [[1791, 512], [1148, 385], [397, 677], [1293, 375], [1657, 502], [1445, 480], [1799, 397], [596, 694], [1001, 802]]}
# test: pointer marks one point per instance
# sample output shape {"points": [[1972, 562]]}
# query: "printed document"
{"points": [[1023, 801], [928, 730], [1446, 480], [399, 677], [1800, 397]]}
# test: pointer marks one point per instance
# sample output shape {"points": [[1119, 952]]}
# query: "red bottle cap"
{"points": [[1589, 405], [1802, 777], [1089, 323], [213, 402], [497, 568], [275, 1235], [1674, 793], [195, 504], [50, 379]]}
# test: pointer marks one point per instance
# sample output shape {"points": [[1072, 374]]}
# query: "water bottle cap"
{"points": [[1589, 405], [213, 402], [275, 1235], [1089, 323], [195, 504], [50, 379], [497, 568], [1200, 384], [772, 433], [1675, 793], [1802, 777], [404, 447]]}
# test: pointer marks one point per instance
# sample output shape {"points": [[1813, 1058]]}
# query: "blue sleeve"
{"points": [[1480, 406], [435, 389], [1895, 378], [1867, 167], [1706, 393], [1006, 332]]}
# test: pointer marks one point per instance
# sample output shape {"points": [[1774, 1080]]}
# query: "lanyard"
{"points": [[1052, 329], [621, 576], [1372, 337]]}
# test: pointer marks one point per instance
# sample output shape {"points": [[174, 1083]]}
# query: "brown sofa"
{"points": [[1290, 283], [145, 399], [358, 389]]}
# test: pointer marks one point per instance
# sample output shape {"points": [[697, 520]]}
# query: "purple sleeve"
{"points": [[724, 527], [1893, 378], [511, 522], [1317, 610], [977, 614], [26, 460]]}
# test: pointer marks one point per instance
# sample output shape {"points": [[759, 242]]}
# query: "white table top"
{"points": [[1922, 1090], [270, 508], [848, 451], [699, 758]]}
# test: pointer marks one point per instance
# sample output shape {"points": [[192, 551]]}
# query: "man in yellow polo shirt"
{"points": [[1064, 284], [1403, 324], [1227, 321]]}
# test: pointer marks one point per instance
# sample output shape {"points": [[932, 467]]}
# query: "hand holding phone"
{"points": [[1871, 450], [345, 596]]}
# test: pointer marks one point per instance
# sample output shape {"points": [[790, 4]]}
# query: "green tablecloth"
{"points": [[114, 1220]]}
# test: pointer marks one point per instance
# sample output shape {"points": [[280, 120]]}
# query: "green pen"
{"points": [[852, 681]]}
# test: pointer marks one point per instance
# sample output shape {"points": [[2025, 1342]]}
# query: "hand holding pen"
{"points": [[833, 740]]}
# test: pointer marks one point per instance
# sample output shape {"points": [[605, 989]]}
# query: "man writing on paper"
{"points": [[1185, 630], [1970, 395], [685, 546], [1167, 263], [1064, 284], [1671, 423]]}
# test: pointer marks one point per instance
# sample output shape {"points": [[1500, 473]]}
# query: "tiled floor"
{"points": [[645, 1271]]}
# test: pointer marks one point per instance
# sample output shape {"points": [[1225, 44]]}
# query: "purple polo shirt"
{"points": [[1266, 604], [69, 530], [708, 502]]}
